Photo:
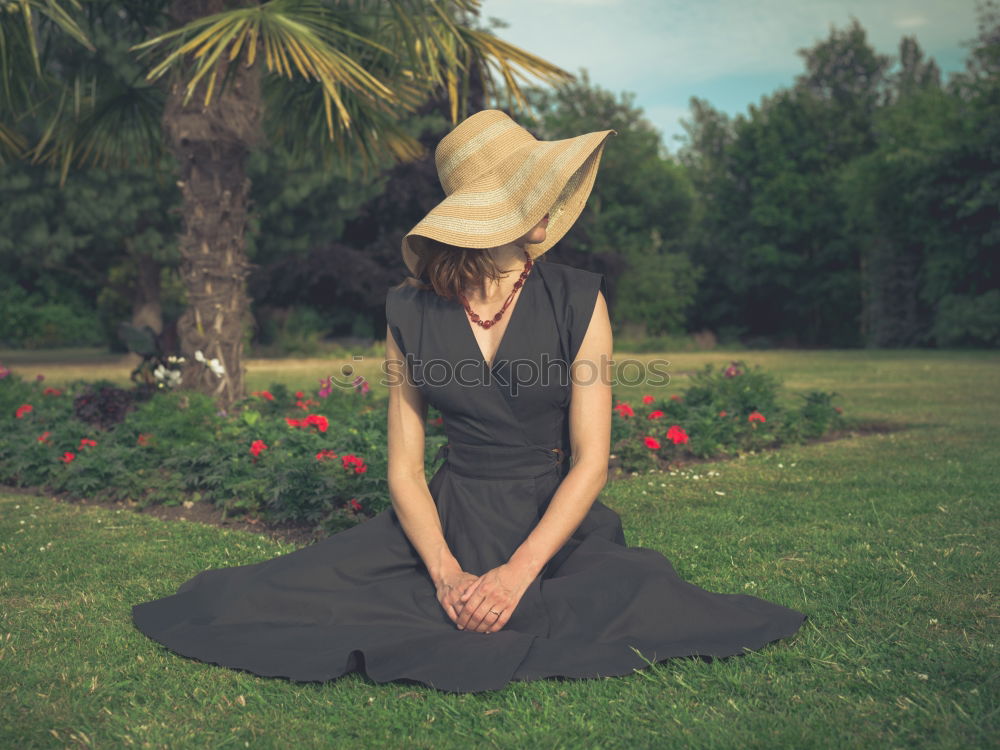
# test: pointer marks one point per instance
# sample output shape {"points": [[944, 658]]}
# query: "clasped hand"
{"points": [[468, 599]]}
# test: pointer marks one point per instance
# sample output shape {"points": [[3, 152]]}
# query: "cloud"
{"points": [[666, 51]]}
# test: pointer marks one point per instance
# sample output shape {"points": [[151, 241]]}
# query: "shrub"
{"points": [[735, 409]]}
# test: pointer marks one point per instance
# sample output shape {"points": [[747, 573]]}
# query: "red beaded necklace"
{"points": [[517, 285]]}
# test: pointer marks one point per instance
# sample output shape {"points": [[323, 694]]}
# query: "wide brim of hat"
{"points": [[504, 204]]}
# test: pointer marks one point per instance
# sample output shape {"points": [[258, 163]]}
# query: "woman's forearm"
{"points": [[417, 512], [567, 509]]}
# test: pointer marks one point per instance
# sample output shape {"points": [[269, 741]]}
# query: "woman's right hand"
{"points": [[449, 592]]}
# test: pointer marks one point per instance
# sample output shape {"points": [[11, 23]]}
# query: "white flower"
{"points": [[215, 366], [199, 356]]}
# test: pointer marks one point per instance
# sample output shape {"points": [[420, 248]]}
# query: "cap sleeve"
{"points": [[394, 315], [581, 301]]}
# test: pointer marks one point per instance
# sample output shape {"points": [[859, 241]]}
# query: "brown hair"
{"points": [[448, 269]]}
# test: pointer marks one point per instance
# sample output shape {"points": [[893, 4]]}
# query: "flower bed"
{"points": [[722, 413], [319, 458], [325, 465]]}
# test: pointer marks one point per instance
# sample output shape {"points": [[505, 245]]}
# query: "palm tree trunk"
{"points": [[211, 145]]}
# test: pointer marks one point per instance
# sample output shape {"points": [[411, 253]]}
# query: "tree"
{"points": [[332, 78]]}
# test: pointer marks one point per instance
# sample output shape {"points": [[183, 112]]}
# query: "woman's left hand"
{"points": [[499, 589]]}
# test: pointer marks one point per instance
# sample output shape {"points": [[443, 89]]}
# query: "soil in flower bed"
{"points": [[302, 534]]}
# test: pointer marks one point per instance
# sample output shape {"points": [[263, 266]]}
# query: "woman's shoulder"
{"points": [[565, 273], [404, 293], [572, 283]]}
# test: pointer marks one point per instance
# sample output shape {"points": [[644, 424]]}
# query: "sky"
{"points": [[729, 52]]}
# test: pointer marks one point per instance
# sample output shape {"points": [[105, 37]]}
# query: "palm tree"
{"points": [[334, 79]]}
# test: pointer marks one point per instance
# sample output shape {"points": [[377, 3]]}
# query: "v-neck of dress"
{"points": [[512, 312]]}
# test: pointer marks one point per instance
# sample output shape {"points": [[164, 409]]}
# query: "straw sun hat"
{"points": [[500, 181]]}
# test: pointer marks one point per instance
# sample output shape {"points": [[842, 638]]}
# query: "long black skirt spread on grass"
{"points": [[362, 600]]}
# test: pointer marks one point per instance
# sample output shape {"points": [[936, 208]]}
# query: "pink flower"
{"points": [[732, 371], [299, 394], [652, 443], [325, 454], [22, 410], [625, 410], [257, 447], [326, 386], [361, 384], [67, 457], [756, 416], [656, 414], [677, 435], [44, 437], [355, 505], [84, 442], [39, 377], [647, 399]]}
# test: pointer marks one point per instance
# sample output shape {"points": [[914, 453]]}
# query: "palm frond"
{"points": [[374, 140], [299, 38], [110, 123], [12, 143], [19, 31]]}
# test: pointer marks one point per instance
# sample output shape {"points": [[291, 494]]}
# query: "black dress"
{"points": [[361, 599]]}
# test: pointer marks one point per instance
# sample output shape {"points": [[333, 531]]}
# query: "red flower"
{"points": [[647, 399], [143, 438], [652, 443], [264, 394], [325, 454], [838, 410], [756, 416], [732, 371], [318, 420], [656, 414], [358, 464], [67, 457], [52, 392], [299, 394], [625, 410], [44, 437], [437, 420], [722, 413], [355, 505], [677, 435], [84, 442], [675, 397], [257, 447], [22, 410], [304, 405]]}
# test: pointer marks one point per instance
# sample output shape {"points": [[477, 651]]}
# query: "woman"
{"points": [[504, 566]]}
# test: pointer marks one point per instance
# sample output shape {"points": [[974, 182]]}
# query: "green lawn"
{"points": [[883, 540]]}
